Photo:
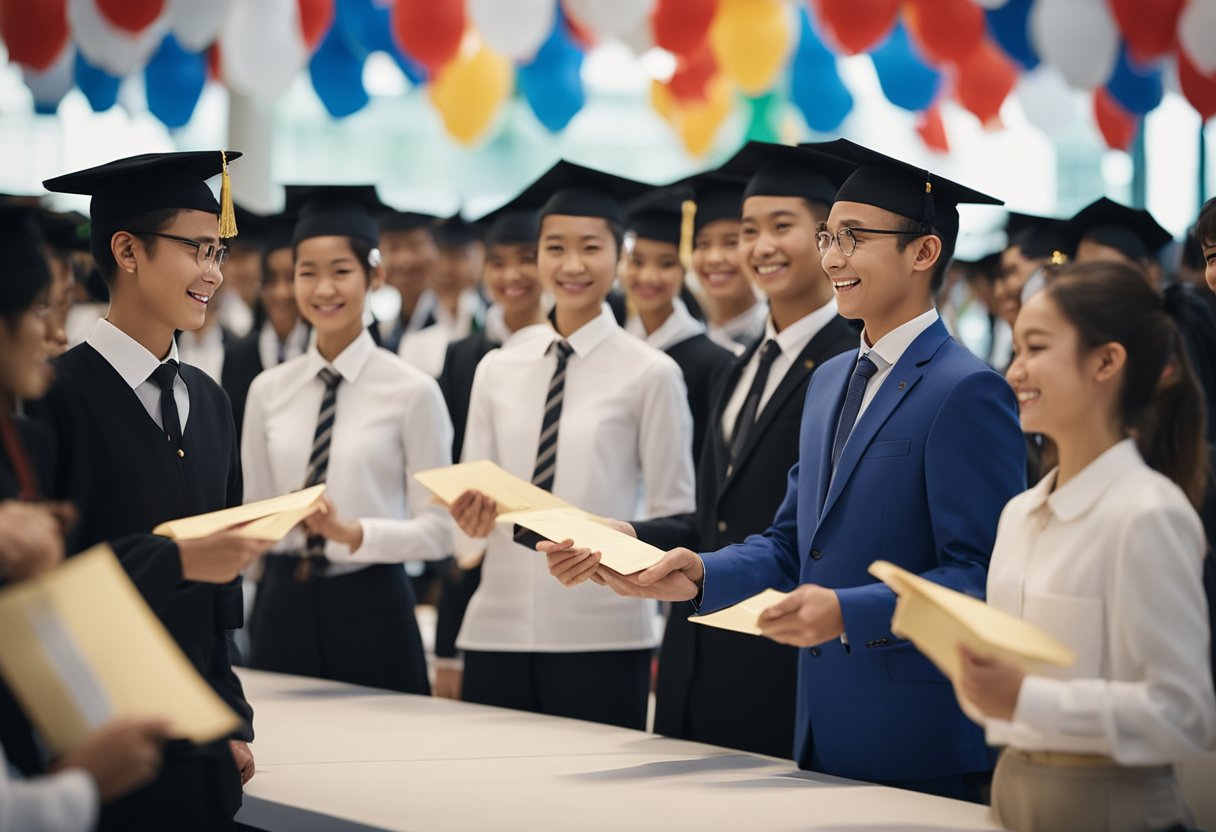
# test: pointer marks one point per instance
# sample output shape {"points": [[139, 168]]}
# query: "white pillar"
{"points": [[249, 131]]}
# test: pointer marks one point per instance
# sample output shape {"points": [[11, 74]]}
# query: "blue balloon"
{"points": [[98, 86], [552, 81], [337, 76], [906, 80], [173, 80], [1138, 89], [365, 26], [1009, 26], [815, 85]]}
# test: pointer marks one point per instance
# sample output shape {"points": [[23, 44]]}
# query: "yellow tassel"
{"points": [[1059, 258], [228, 228], [687, 224]]}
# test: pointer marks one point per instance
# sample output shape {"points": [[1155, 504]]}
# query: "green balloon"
{"points": [[767, 110]]}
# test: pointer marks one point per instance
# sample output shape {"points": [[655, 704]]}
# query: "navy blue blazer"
{"points": [[922, 482]]}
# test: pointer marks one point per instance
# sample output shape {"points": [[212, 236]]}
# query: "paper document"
{"points": [[79, 647], [744, 616], [509, 491], [619, 551], [264, 520]]}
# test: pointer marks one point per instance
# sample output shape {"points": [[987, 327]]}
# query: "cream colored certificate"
{"points": [[264, 520], [744, 616]]}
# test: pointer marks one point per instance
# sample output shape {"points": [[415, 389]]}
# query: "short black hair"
{"points": [[1205, 226], [139, 226], [917, 229]]}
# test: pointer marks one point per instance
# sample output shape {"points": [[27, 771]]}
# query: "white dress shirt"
{"points": [[624, 449], [135, 364], [205, 351], [679, 327], [741, 331], [235, 315], [1110, 563], [63, 802], [269, 344], [391, 423], [792, 341], [889, 349], [426, 348]]}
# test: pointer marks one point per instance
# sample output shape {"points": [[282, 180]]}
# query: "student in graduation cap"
{"points": [[141, 438], [64, 236], [243, 275], [1034, 244], [600, 419], [1205, 235], [334, 601], [753, 436], [407, 242]]}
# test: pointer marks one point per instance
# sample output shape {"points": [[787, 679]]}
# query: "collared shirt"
{"points": [[679, 327], [623, 450], [269, 345], [426, 348], [1110, 563], [135, 364], [205, 351], [889, 349], [235, 314], [743, 330], [791, 341], [391, 423], [65, 801]]}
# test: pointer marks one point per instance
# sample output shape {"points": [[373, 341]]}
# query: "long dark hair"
{"points": [[1160, 402]]}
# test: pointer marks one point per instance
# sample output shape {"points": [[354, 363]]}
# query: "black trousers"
{"points": [[198, 790], [610, 687], [357, 628]]}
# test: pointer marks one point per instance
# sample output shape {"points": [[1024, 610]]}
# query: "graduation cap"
{"points": [[389, 219], [659, 215], [1131, 231], [782, 170], [128, 188], [717, 196], [26, 273], [278, 231], [253, 227], [1039, 238], [510, 224], [574, 190], [457, 232], [65, 232], [339, 210]]}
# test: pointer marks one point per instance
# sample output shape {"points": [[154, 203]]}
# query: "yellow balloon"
{"points": [[698, 123], [751, 41], [663, 101], [470, 90]]}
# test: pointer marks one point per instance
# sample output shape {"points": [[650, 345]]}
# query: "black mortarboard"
{"points": [[340, 210], [658, 215], [278, 231], [128, 188], [26, 272], [457, 232], [1131, 231], [253, 227], [574, 190], [1039, 238], [510, 224], [781, 170], [64, 232], [389, 219], [718, 196]]}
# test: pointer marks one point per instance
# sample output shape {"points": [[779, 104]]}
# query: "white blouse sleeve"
{"points": [[255, 454], [62, 802], [665, 442], [478, 444]]}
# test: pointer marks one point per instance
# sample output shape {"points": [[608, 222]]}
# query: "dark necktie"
{"points": [[545, 470], [163, 377], [318, 464], [14, 449], [751, 405], [862, 374]]}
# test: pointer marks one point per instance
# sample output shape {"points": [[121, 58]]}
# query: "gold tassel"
{"points": [[228, 228], [1059, 258], [687, 224]]}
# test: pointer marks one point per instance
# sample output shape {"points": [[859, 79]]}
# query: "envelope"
{"points": [[618, 551], [509, 491], [264, 520], [744, 616]]}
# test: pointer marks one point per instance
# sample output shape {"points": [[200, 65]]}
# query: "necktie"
{"points": [[862, 374], [27, 485], [163, 377], [751, 405], [545, 469], [318, 465]]}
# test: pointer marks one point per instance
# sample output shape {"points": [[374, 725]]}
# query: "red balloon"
{"points": [[692, 76], [131, 15], [429, 31], [1149, 27], [932, 130], [34, 31], [984, 80], [946, 31], [316, 16], [583, 36], [1198, 88], [214, 62], [682, 26], [855, 26], [1118, 126]]}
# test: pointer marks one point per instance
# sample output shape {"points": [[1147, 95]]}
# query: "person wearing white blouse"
{"points": [[335, 602], [1105, 553]]}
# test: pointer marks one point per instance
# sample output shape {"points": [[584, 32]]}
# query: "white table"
{"points": [[337, 757]]}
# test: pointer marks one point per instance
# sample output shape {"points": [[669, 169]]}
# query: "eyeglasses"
{"points": [[209, 255], [846, 238]]}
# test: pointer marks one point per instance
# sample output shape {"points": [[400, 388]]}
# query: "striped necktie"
{"points": [[318, 464], [546, 450]]}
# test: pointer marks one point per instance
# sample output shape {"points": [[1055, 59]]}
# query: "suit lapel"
{"points": [[721, 443]]}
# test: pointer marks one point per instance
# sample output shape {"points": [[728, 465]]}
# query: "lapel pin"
{"points": [[902, 385], [809, 364]]}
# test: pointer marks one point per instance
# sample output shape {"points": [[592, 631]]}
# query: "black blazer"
{"points": [[707, 685], [242, 363], [703, 364]]}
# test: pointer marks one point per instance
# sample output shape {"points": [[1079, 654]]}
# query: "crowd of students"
{"points": [[804, 412]]}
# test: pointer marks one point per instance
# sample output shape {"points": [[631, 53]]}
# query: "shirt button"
{"points": [[721, 525], [816, 554], [815, 652], [730, 469]]}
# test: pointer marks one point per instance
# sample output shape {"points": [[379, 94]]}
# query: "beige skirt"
{"points": [[1046, 791]]}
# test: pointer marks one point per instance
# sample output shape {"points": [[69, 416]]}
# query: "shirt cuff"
{"points": [[78, 798], [449, 663], [1038, 704]]}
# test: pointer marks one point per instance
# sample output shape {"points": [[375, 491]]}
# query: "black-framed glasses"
{"points": [[208, 255], [846, 238]]}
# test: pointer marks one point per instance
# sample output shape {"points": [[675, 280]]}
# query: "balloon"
{"points": [[366, 28], [698, 123], [815, 85], [1118, 126], [583, 36], [750, 39], [693, 74], [1197, 34], [856, 26], [1137, 89], [131, 15], [932, 130], [682, 26], [764, 125], [215, 69], [196, 25], [470, 90], [337, 76], [552, 82], [51, 85], [946, 31], [515, 28], [316, 18], [663, 101], [905, 79], [609, 18], [1198, 88], [429, 31], [1009, 25], [262, 47], [108, 47], [100, 88], [35, 32], [1047, 100], [1085, 62], [173, 82], [991, 4], [1149, 29], [984, 81], [639, 39]]}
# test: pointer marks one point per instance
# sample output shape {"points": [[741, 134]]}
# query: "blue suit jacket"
{"points": [[922, 482]]}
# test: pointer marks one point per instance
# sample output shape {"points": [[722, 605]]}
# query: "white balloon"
{"points": [[611, 18], [53, 83], [1077, 37], [108, 47], [990, 4], [516, 28], [1197, 34], [262, 48], [640, 39], [1047, 100], [197, 24]]}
